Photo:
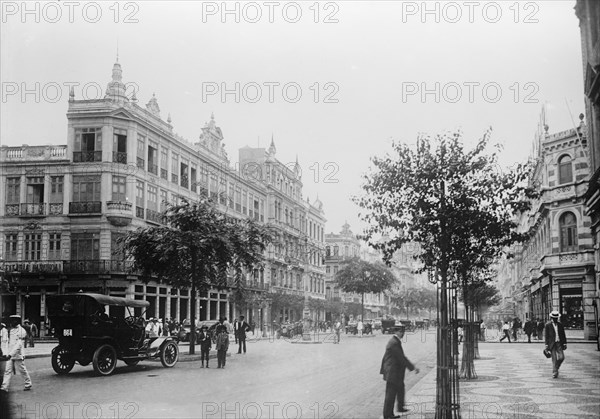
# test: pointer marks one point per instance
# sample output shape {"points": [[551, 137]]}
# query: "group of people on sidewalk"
{"points": [[240, 328], [531, 327]]}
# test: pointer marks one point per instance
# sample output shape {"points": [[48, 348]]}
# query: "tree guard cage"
{"points": [[447, 404]]}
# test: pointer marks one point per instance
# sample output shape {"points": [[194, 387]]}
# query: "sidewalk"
{"points": [[515, 381]]}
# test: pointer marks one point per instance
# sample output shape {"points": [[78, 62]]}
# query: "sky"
{"points": [[333, 83]]}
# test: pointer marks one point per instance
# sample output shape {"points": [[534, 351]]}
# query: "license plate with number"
{"points": [[68, 332]]}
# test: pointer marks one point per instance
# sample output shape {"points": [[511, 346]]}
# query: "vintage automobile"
{"points": [[390, 326], [352, 328], [86, 334], [289, 330]]}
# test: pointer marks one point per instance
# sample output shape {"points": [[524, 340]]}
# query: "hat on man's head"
{"points": [[555, 314], [15, 317]]}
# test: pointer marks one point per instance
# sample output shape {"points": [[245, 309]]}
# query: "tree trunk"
{"points": [[362, 308], [193, 306], [477, 335], [467, 368]]}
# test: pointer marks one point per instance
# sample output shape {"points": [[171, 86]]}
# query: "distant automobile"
{"points": [[377, 323], [184, 332]]}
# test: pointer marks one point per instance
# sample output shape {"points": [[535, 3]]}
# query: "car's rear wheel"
{"points": [[105, 360], [62, 361], [131, 362], [169, 353]]}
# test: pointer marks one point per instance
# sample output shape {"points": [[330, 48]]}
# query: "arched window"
{"points": [[565, 170], [568, 232]]}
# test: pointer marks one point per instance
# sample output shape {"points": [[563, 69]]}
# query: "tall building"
{"points": [[554, 269], [339, 248], [588, 12], [63, 209]]}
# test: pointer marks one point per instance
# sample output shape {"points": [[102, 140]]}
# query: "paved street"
{"points": [[280, 379], [274, 379]]}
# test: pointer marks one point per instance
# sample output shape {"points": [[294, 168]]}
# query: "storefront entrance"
{"points": [[571, 308]]}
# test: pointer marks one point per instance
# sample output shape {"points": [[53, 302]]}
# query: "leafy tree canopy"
{"points": [[361, 277]]}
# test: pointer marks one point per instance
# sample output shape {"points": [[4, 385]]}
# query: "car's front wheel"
{"points": [[62, 360], [169, 353], [105, 360]]}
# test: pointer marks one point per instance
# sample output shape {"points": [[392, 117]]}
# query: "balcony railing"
{"points": [[119, 157], [154, 216], [118, 206], [90, 207], [11, 210], [33, 209], [86, 156], [41, 266], [55, 208], [97, 266], [153, 168]]}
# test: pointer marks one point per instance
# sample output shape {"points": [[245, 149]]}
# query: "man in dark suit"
{"points": [[393, 367], [236, 327], [241, 334], [556, 341]]}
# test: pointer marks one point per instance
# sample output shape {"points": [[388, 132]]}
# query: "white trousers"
{"points": [[18, 365]]}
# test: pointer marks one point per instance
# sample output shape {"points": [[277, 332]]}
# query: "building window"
{"points": [[85, 246], [56, 189], [163, 200], [54, 246], [164, 164], [86, 188], [336, 251], [238, 199], [184, 174], [203, 181], [10, 247], [141, 161], [262, 210], [230, 196], [152, 198], [33, 246], [13, 190], [153, 158], [193, 178], [35, 190], [175, 168], [565, 170], [120, 146], [568, 232], [223, 191], [213, 187], [88, 145], [139, 194], [245, 202], [119, 188]]}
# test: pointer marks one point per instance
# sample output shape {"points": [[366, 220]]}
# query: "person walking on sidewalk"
{"points": [[393, 368], [528, 328], [15, 362], [556, 341], [222, 346], [205, 345], [506, 330], [540, 329], [244, 327]]}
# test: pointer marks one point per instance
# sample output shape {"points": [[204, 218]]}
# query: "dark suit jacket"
{"points": [[243, 328], [394, 363], [551, 334]]}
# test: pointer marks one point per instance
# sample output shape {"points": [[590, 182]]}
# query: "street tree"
{"points": [[197, 248], [459, 207], [361, 277]]}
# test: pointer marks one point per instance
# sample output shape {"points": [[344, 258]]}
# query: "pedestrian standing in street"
{"points": [[556, 341], [236, 327], [516, 325], [338, 330], [359, 327], [482, 331], [540, 329], [15, 361], [529, 328], [244, 327], [3, 350], [222, 346], [205, 345], [506, 331], [393, 368]]}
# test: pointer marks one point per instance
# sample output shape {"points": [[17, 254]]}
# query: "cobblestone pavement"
{"points": [[515, 381]]}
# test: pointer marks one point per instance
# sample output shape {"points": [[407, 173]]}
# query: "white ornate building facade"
{"points": [[63, 208]]}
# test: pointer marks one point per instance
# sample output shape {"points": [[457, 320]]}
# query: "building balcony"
{"points": [[26, 153], [119, 213], [97, 266], [55, 208], [11, 210], [33, 210], [119, 157], [86, 156], [89, 207], [568, 259], [154, 216]]}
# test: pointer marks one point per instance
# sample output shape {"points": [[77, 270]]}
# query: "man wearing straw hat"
{"points": [[556, 341]]}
